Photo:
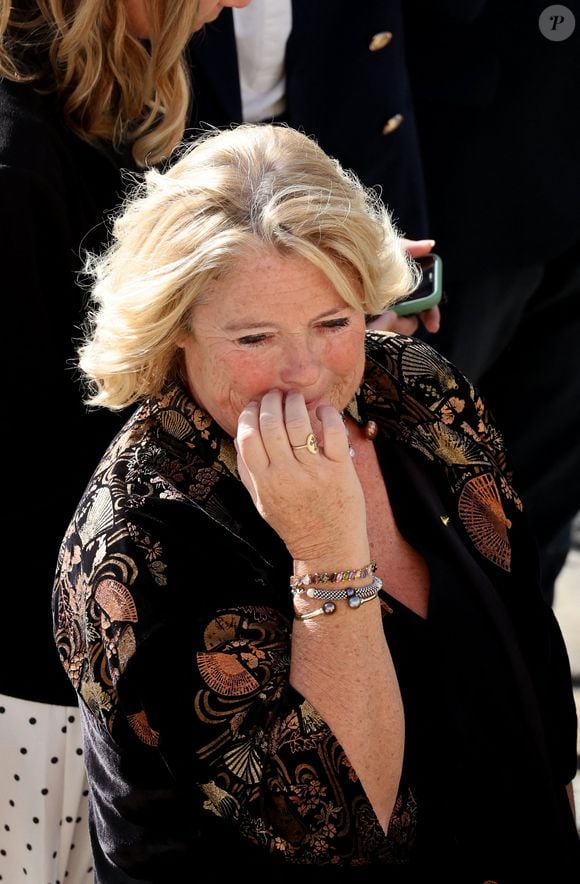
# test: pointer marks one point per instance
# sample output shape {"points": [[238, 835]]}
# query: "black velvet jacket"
{"points": [[55, 192], [173, 620]]}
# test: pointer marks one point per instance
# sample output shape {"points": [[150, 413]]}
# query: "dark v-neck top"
{"points": [[468, 752]]}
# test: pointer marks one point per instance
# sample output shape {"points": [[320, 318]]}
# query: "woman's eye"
{"points": [[343, 322], [264, 337], [252, 340]]}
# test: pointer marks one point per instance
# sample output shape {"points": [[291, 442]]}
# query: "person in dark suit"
{"points": [[496, 88], [345, 84]]}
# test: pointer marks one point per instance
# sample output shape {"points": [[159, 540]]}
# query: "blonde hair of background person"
{"points": [[173, 238], [115, 88]]}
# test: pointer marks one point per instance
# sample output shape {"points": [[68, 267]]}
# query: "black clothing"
{"points": [[195, 741], [496, 103], [54, 190]]}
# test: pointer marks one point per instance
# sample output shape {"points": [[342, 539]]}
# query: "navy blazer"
{"points": [[346, 83]]}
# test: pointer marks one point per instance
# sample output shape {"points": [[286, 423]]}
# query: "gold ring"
{"points": [[311, 444]]}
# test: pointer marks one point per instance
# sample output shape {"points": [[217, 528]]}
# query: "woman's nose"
{"points": [[300, 365]]}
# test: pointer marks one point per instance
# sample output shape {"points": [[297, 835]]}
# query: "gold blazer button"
{"points": [[393, 124], [380, 40]]}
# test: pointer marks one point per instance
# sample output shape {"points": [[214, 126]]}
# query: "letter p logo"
{"points": [[557, 23]]}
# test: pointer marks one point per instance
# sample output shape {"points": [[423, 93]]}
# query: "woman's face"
{"points": [[274, 322], [208, 11]]}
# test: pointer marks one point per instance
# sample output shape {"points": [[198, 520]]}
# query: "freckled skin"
{"points": [[275, 322]]}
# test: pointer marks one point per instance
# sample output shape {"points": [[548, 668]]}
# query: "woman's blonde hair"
{"points": [[245, 188], [113, 88]]}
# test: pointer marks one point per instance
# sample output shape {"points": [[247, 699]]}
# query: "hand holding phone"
{"points": [[429, 291]]}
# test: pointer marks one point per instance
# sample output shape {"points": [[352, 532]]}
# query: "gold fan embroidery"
{"points": [[486, 523], [444, 443], [126, 647], [225, 675], [143, 729], [244, 762], [311, 720], [421, 363], [116, 601], [219, 801], [99, 516], [175, 423]]}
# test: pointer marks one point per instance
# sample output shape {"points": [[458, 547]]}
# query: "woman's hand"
{"points": [[408, 325], [311, 498]]}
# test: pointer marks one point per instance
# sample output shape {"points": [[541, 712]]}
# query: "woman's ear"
{"points": [[183, 334]]}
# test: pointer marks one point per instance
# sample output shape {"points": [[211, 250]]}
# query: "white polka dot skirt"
{"points": [[44, 835]]}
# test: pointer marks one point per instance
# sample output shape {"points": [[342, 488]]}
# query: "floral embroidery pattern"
{"points": [[427, 403]]}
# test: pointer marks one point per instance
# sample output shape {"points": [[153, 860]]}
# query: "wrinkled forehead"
{"points": [[260, 283]]}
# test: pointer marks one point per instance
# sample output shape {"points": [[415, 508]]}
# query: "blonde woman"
{"points": [[87, 88], [297, 598]]}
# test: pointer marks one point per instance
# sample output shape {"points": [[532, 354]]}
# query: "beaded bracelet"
{"points": [[351, 592], [331, 576], [330, 608]]}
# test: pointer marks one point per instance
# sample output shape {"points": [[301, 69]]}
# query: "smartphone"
{"points": [[429, 291]]}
